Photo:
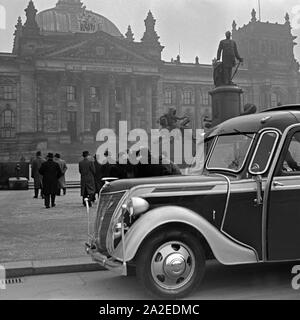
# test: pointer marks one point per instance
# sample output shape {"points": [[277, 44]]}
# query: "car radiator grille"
{"points": [[107, 206]]}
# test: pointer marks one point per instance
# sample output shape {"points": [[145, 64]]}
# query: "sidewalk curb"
{"points": [[39, 267]]}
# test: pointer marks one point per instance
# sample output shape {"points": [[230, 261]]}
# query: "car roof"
{"points": [[286, 107], [278, 118]]}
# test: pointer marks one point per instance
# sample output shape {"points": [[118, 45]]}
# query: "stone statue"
{"points": [[170, 120], [218, 73], [228, 49]]}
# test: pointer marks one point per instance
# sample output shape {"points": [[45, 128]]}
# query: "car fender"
{"points": [[225, 250]]}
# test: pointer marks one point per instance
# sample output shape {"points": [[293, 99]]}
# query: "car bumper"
{"points": [[112, 264]]}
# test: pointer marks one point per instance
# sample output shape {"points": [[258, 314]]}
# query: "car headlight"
{"points": [[136, 206], [132, 209]]}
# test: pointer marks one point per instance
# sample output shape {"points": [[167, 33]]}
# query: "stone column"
{"points": [[198, 106], [149, 103], [160, 100], [128, 111], [62, 101], [178, 99], [134, 106], [112, 101], [80, 121], [63, 109], [27, 100], [41, 86], [87, 136], [155, 100], [18, 109], [102, 91], [106, 104], [87, 104]]}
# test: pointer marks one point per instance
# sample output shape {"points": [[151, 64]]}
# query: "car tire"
{"points": [[170, 264]]}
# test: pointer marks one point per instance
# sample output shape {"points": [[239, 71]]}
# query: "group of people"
{"points": [[49, 173], [49, 177], [138, 164]]}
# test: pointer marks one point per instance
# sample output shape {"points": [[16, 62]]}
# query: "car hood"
{"points": [[126, 184]]}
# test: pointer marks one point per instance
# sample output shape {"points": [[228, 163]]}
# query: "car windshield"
{"points": [[197, 165], [229, 152]]}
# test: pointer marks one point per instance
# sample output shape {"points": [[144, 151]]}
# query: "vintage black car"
{"points": [[243, 208]]}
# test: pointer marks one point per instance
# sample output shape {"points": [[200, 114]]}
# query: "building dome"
{"points": [[71, 16]]}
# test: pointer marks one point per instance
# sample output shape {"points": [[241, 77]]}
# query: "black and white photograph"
{"points": [[149, 150]]}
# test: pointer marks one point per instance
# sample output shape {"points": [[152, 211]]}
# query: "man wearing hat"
{"points": [[35, 175], [51, 172], [62, 180], [87, 181]]}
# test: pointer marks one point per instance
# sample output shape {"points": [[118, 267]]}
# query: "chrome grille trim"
{"points": [[108, 204]]}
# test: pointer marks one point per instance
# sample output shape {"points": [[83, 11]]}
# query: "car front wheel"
{"points": [[171, 264]]}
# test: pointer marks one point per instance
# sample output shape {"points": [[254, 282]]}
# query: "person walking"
{"points": [[103, 169], [87, 178], [51, 172], [62, 180], [35, 175]]}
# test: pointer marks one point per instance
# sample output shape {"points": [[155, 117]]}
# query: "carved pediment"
{"points": [[95, 52], [97, 48]]}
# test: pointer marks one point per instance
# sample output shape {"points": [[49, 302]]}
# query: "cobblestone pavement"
{"points": [[28, 231]]}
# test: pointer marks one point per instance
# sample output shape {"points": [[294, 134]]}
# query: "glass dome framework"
{"points": [[70, 16]]}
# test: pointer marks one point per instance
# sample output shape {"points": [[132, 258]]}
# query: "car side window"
{"points": [[263, 152], [291, 162]]}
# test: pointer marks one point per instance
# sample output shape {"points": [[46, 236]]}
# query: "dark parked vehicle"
{"points": [[243, 208]]}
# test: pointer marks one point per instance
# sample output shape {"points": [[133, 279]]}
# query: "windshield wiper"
{"points": [[242, 133]]}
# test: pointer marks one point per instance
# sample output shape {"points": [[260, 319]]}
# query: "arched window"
{"points": [[7, 123]]}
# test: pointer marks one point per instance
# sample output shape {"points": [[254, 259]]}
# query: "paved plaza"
{"points": [[28, 231]]}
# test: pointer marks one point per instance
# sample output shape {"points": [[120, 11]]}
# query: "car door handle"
{"points": [[277, 184]]}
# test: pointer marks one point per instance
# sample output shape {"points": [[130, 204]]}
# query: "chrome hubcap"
{"points": [[172, 265]]}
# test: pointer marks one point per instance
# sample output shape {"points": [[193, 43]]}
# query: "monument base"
{"points": [[226, 103]]}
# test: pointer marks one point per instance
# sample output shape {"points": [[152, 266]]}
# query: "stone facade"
{"points": [[60, 85]]}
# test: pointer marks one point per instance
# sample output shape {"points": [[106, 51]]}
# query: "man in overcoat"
{"points": [[51, 172], [87, 173], [228, 49], [35, 175], [62, 180]]}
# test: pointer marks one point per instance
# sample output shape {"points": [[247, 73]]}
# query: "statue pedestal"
{"points": [[226, 103]]}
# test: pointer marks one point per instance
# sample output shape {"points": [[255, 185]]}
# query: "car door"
{"points": [[243, 218], [283, 220]]}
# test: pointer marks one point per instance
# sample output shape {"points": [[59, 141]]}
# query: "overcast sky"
{"points": [[196, 26]]}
